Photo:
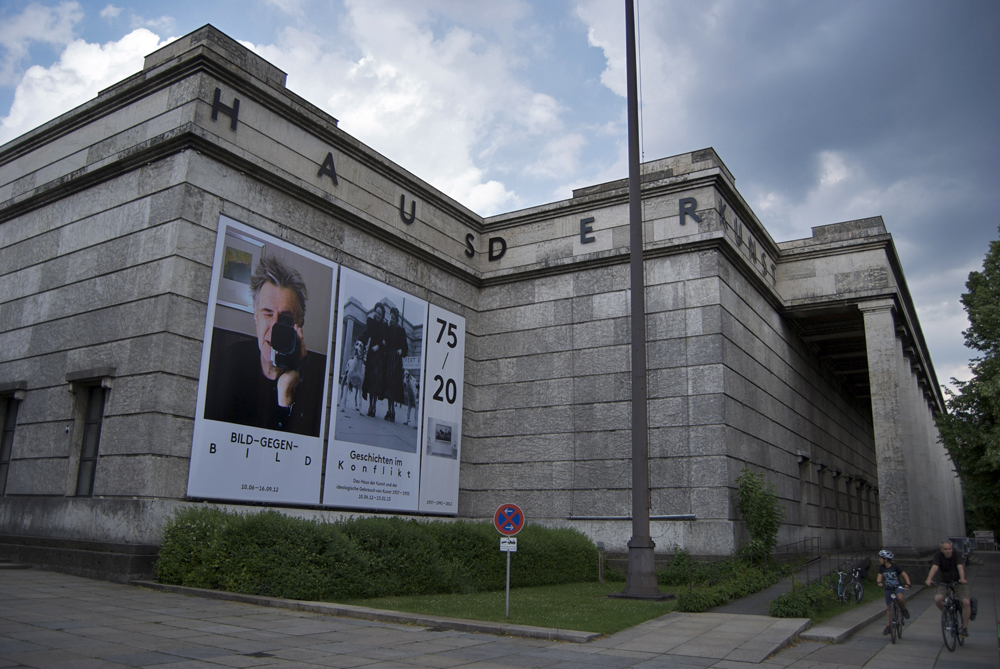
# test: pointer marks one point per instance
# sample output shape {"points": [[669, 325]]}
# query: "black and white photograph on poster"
{"points": [[441, 439], [265, 371], [373, 459], [442, 443]]}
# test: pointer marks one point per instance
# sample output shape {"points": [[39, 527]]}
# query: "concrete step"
{"points": [[840, 628], [8, 564]]}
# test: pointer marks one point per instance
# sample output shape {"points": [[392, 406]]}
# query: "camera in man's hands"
{"points": [[285, 343]]}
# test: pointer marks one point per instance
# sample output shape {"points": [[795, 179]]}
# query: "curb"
{"points": [[833, 633], [379, 615]]}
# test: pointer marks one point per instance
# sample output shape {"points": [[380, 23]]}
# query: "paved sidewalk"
{"points": [[840, 628], [922, 646], [51, 621]]}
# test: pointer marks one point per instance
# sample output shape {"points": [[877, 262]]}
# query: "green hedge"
{"points": [[741, 584], [682, 570], [272, 554], [678, 571], [803, 602]]}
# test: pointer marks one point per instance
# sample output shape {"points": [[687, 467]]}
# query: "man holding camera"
{"points": [[268, 383]]}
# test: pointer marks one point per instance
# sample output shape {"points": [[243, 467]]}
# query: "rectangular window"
{"points": [[91, 441], [7, 439]]}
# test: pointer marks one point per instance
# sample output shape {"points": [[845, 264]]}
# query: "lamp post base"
{"points": [[641, 580]]}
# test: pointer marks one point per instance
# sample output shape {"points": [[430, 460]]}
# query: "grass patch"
{"points": [[818, 601], [834, 608], [574, 606]]}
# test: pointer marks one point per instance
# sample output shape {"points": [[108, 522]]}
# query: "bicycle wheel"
{"points": [[899, 620], [859, 592], [947, 629], [957, 613]]}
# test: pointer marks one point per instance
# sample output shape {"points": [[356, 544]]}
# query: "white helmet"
{"points": [[885, 554]]}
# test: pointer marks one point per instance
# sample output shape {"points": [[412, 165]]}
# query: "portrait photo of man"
{"points": [[271, 380]]}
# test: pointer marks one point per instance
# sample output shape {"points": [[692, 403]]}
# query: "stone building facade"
{"points": [[802, 359]]}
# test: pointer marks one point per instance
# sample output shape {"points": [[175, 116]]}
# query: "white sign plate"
{"points": [[442, 388]]}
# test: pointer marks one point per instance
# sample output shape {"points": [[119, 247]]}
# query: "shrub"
{"points": [[272, 554], [678, 572], [757, 502], [401, 558], [470, 556], [738, 585], [803, 602], [550, 556], [188, 556], [612, 574]]}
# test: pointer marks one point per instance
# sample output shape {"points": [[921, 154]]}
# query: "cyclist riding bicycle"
{"points": [[893, 575], [949, 563]]}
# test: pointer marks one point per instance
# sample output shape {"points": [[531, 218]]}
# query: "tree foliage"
{"points": [[757, 501], [971, 428]]}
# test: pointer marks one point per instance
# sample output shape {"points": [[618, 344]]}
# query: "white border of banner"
{"points": [[237, 462], [443, 388], [369, 463]]}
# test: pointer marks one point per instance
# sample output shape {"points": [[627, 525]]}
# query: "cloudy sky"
{"points": [[824, 110]]}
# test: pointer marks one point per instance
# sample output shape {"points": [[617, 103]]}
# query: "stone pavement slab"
{"points": [[51, 620], [720, 636], [746, 638], [55, 621], [365, 613]]}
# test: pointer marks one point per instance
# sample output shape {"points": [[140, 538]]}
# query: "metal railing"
{"points": [[845, 559], [815, 563], [780, 555]]}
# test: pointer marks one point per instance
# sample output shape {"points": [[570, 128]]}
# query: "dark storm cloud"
{"points": [[903, 94], [903, 84]]}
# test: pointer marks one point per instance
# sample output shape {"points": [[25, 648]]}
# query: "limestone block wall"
{"points": [[116, 277], [790, 418], [111, 280], [729, 385], [106, 246], [547, 395]]}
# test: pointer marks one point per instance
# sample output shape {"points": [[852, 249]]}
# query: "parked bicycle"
{"points": [[852, 589], [951, 618]]}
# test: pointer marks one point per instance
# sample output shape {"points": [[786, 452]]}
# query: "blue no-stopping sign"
{"points": [[508, 519]]}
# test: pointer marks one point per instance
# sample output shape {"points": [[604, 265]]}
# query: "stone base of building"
{"points": [[107, 561]]}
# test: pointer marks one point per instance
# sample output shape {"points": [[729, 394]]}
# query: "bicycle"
{"points": [[895, 618], [853, 589], [951, 618]]}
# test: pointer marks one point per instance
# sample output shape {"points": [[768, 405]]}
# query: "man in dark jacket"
{"points": [[948, 562], [264, 383]]}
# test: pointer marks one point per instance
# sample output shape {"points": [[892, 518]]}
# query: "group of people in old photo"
{"points": [[385, 344]]}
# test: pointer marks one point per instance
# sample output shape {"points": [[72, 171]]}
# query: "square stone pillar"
{"points": [[884, 357]]}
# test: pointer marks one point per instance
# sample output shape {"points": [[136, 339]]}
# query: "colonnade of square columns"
{"points": [[921, 498]]}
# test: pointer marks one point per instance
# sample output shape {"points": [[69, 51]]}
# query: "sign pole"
{"points": [[508, 519], [506, 613]]}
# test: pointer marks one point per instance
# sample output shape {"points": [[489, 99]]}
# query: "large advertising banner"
{"points": [[373, 456], [260, 418], [442, 441]]}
